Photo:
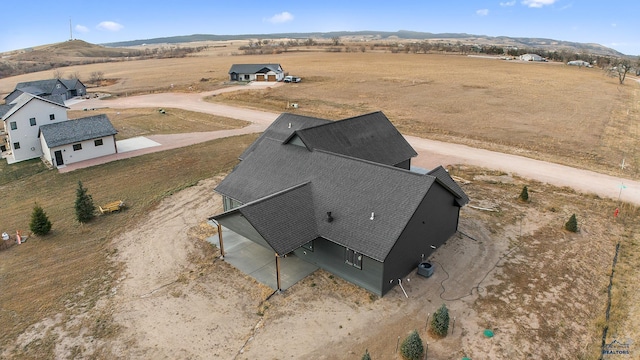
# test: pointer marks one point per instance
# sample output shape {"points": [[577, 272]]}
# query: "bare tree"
{"points": [[57, 74], [96, 77], [335, 40], [620, 69], [73, 76]]}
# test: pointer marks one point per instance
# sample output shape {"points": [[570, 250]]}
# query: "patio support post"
{"points": [[220, 238], [278, 271]]}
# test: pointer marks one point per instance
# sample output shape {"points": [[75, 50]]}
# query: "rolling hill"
{"points": [[402, 35]]}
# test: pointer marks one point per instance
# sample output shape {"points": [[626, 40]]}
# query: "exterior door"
{"points": [[271, 77], [59, 160], [260, 77]]}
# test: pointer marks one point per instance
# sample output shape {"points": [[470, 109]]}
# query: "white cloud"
{"points": [[283, 17], [537, 3], [508, 3], [109, 26], [614, 25], [482, 12], [82, 28]]}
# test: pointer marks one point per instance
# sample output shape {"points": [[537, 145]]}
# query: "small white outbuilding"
{"points": [[532, 57]]}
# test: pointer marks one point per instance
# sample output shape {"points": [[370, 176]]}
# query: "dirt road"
{"points": [[431, 153]]}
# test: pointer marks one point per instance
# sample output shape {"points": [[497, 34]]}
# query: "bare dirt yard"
{"points": [[513, 270]]}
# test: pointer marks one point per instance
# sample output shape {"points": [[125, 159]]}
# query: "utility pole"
{"points": [[70, 30]]}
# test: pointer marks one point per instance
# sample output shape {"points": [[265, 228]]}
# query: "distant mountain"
{"points": [[402, 35]]}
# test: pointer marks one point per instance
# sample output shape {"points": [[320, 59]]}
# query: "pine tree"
{"points": [[366, 355], [440, 321], [524, 195], [85, 209], [40, 224], [572, 224], [412, 348]]}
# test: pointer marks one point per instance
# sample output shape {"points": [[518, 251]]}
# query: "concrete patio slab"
{"points": [[135, 143], [260, 262]]}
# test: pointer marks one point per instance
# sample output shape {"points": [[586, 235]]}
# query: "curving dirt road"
{"points": [[431, 153]]}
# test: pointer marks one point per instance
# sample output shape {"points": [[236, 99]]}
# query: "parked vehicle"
{"points": [[292, 79]]}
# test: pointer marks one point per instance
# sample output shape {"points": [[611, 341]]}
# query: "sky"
{"points": [[612, 23]]}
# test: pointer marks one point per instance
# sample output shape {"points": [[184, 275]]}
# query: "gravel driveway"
{"points": [[431, 153]]}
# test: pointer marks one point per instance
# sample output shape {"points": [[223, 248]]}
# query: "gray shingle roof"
{"points": [[283, 127], [32, 90], [47, 86], [58, 99], [350, 188], [286, 218], [73, 131], [443, 177], [72, 83], [22, 100], [254, 68], [5, 109], [370, 137]]}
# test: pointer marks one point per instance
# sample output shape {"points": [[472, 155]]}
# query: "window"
{"points": [[230, 203], [32, 121], [77, 147], [247, 77], [14, 126], [97, 142], [353, 258], [52, 116], [16, 145]]}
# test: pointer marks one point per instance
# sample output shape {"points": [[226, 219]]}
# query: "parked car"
{"points": [[292, 79]]}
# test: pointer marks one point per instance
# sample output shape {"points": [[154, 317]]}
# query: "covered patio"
{"points": [[259, 262]]}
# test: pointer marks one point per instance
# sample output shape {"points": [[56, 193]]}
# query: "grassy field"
{"points": [[547, 111], [573, 116], [146, 121]]}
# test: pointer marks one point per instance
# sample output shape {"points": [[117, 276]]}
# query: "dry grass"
{"points": [[547, 111], [145, 121], [568, 115], [552, 284], [69, 270]]}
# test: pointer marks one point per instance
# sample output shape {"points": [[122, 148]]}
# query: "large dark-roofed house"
{"points": [[40, 88], [339, 194], [61, 88], [256, 72]]}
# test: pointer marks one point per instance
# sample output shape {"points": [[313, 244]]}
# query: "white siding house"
{"points": [[78, 140], [22, 120], [256, 72], [532, 57]]}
